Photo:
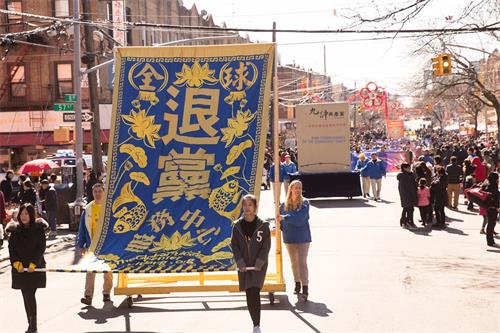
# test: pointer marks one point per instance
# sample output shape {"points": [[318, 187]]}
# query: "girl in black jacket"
{"points": [[26, 249], [251, 242]]}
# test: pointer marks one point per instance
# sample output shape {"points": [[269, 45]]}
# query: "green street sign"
{"points": [[64, 107], [70, 98]]}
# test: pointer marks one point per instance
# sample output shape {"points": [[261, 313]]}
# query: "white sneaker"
{"points": [[256, 329]]}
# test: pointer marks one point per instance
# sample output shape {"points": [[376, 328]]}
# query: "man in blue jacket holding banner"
{"points": [[376, 169]]}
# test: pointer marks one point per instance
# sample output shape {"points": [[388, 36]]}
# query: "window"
{"points": [[18, 81], [60, 8], [64, 77], [109, 16], [15, 6], [128, 17]]}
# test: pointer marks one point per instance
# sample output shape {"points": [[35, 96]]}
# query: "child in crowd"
{"points": [[424, 201]]}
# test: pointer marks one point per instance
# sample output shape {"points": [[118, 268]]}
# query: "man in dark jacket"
{"points": [[455, 174], [439, 197], [48, 198], [6, 187], [407, 187]]}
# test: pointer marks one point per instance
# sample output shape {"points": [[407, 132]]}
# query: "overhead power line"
{"points": [[488, 28]]}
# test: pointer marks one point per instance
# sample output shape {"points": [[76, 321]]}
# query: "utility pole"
{"points": [[93, 93], [355, 109], [78, 109]]}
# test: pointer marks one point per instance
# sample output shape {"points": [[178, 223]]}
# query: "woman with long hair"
{"points": [[251, 242], [294, 217], [26, 249]]}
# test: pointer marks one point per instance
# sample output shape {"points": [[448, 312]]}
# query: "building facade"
{"points": [[36, 67]]}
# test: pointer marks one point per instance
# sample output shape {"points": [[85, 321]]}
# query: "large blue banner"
{"points": [[188, 137]]}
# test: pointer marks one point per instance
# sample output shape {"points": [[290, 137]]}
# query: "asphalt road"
{"points": [[366, 275]]}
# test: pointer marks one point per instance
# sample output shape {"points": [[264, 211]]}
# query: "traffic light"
{"points": [[437, 66], [446, 61], [441, 65]]}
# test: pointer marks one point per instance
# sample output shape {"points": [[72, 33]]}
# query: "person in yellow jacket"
{"points": [[26, 250], [88, 227]]}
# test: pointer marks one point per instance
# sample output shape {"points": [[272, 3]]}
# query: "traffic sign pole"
{"points": [[78, 109]]}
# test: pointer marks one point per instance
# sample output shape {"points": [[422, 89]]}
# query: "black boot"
{"points": [[297, 288], [305, 293], [32, 325]]}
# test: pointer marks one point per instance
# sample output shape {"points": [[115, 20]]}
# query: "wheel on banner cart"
{"points": [[271, 298], [349, 198], [130, 302]]}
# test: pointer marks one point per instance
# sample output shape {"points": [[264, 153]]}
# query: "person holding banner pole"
{"points": [[88, 228], [250, 243], [290, 168], [26, 249]]}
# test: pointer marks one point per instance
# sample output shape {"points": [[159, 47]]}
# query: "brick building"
{"points": [[298, 86], [34, 77]]}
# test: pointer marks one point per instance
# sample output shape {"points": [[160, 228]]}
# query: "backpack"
{"points": [[479, 196]]}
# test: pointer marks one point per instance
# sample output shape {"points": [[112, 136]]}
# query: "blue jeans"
{"points": [[52, 217]]}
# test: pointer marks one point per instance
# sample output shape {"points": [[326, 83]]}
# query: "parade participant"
{"points": [[376, 170], [281, 179], [294, 219], [6, 187], [251, 242], [454, 172], [440, 197], [26, 249], [355, 157], [407, 187], [424, 202], [493, 208], [48, 199], [365, 178], [290, 168], [88, 227]]}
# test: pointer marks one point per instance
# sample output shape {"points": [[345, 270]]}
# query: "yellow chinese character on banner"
{"points": [[239, 78], [200, 112], [184, 174]]}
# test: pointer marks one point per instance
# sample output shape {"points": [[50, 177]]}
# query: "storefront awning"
{"points": [[43, 138]]}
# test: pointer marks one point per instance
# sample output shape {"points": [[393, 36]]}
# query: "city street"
{"points": [[366, 275]]}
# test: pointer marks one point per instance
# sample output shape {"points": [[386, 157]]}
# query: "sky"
{"points": [[389, 63]]}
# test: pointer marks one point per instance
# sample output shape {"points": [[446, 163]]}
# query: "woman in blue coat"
{"points": [[365, 177], [294, 222]]}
